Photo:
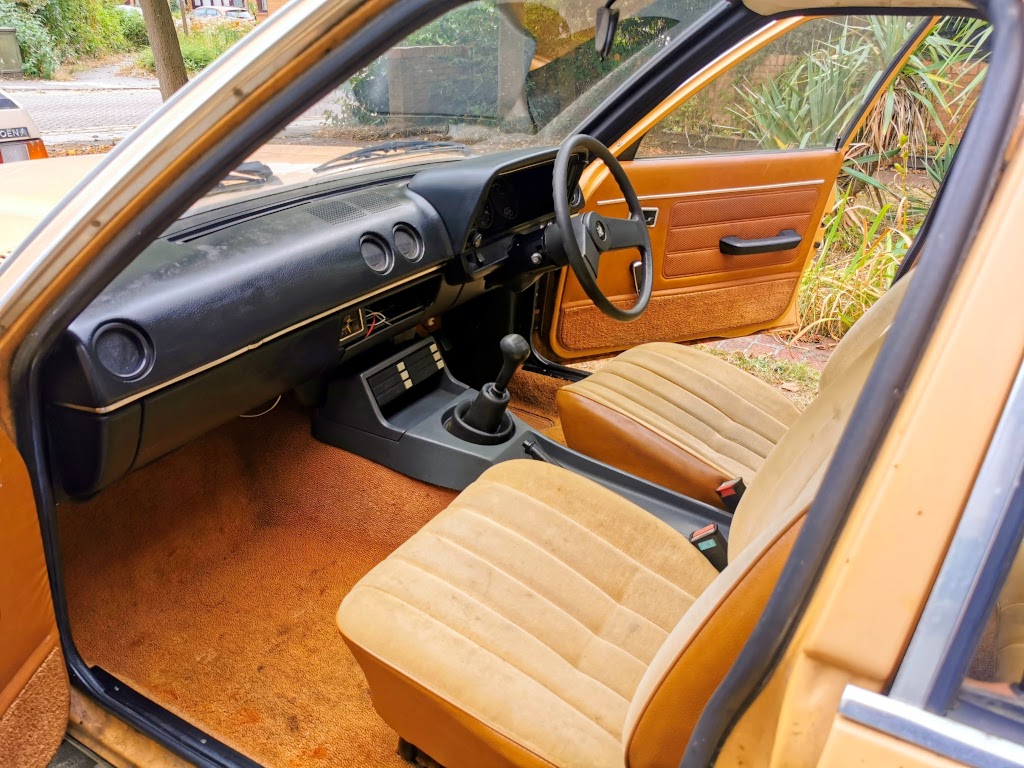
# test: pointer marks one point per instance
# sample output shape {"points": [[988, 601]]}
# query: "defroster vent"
{"points": [[354, 207]]}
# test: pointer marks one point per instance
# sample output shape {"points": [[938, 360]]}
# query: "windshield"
{"points": [[484, 77]]}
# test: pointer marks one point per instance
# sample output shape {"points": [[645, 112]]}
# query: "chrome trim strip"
{"points": [[704, 192], [941, 735], [255, 345]]}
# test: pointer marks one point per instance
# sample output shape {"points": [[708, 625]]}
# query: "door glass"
{"points": [[800, 91]]}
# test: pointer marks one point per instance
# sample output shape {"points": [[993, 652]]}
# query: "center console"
{"points": [[399, 413], [409, 413]]}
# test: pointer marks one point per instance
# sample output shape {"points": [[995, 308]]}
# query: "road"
{"points": [[65, 115], [101, 109]]}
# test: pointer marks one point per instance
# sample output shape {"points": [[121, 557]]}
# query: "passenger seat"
{"points": [[690, 421]]}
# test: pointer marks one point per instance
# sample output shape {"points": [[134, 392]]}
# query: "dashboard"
{"points": [[229, 309]]}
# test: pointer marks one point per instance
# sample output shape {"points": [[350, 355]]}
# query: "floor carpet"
{"points": [[532, 398], [209, 581]]}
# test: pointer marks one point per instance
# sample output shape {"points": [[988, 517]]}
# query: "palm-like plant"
{"points": [[811, 102]]}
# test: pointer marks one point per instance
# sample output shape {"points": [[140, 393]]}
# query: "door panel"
{"points": [[698, 290], [748, 148], [33, 682]]}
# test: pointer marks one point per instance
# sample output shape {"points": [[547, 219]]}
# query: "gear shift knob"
{"points": [[514, 351], [484, 420]]}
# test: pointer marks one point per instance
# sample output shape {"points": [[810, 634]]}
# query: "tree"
{"points": [[170, 67]]}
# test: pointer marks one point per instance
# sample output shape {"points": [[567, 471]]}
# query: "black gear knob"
{"points": [[514, 351], [484, 420]]}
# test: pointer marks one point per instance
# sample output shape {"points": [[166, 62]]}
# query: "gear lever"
{"points": [[484, 420]]}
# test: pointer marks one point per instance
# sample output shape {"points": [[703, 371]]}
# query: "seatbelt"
{"points": [[730, 492], [710, 542]]}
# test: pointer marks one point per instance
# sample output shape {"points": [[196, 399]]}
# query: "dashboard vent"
{"points": [[354, 207], [377, 202], [336, 212]]}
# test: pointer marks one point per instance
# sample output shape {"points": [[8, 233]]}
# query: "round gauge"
{"points": [[408, 242], [504, 202], [486, 217], [376, 254]]}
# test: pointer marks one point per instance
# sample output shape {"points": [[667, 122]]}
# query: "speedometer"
{"points": [[486, 217], [504, 202]]}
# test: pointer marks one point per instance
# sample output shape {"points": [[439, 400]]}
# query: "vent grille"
{"points": [[376, 202], [355, 207], [336, 212]]}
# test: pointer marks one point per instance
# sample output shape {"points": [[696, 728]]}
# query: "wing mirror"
{"points": [[606, 21]]}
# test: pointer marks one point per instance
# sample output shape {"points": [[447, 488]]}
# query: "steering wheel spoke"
{"points": [[586, 237], [620, 233], [590, 249]]}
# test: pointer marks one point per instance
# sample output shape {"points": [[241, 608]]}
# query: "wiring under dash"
{"points": [[273, 405], [377, 319]]}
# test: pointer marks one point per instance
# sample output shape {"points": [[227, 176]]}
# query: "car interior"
{"points": [[331, 479]]}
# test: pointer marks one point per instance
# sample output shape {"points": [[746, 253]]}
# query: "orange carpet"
{"points": [[532, 398], [210, 579]]}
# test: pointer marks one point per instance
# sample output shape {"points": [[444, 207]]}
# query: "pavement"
{"points": [[101, 105], [98, 105], [69, 756]]}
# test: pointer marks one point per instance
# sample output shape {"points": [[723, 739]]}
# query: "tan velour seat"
{"points": [[1010, 625], [689, 421], [542, 620]]}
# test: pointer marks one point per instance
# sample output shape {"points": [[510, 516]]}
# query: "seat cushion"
{"points": [[515, 627], [676, 416]]}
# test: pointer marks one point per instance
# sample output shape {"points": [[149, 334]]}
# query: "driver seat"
{"points": [[543, 620], [690, 421]]}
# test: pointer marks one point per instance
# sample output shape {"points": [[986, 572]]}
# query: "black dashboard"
{"points": [[229, 310]]}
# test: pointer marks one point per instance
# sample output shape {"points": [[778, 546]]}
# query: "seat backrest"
{"points": [[865, 332], [1010, 625], [703, 646]]}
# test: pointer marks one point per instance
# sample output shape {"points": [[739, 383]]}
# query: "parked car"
{"points": [[299, 465], [127, 7], [221, 13], [19, 136]]}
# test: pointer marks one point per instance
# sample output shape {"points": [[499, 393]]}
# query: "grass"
{"points": [[797, 381], [865, 241]]}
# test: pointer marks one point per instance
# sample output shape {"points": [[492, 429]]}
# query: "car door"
{"points": [[33, 682], [735, 171]]}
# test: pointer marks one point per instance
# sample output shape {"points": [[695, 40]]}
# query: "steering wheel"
{"points": [[586, 237]]}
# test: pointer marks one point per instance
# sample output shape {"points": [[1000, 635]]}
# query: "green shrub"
{"points": [[200, 47], [38, 54], [83, 27], [54, 31], [133, 27], [209, 41], [860, 253]]}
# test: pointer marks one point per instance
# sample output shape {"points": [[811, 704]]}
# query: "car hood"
{"points": [[37, 186], [31, 190]]}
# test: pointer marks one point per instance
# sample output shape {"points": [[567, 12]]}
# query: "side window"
{"points": [[801, 91]]}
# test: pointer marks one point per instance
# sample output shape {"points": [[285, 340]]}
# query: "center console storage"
{"points": [[397, 413]]}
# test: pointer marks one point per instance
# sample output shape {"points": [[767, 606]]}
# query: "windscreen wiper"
{"points": [[250, 173], [399, 147]]}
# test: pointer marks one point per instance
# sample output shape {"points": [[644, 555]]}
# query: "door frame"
{"points": [[958, 215], [80, 247]]}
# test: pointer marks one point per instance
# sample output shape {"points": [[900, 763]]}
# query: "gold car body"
{"points": [[863, 612]]}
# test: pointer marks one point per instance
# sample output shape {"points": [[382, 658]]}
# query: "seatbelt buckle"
{"points": [[730, 492], [710, 542]]}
